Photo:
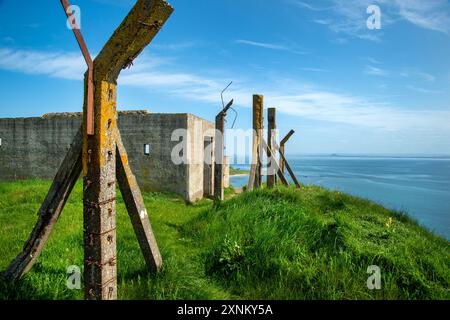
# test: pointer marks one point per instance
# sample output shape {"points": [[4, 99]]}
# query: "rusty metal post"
{"points": [[255, 180], [271, 136], [219, 153], [99, 151], [282, 148], [95, 156]]}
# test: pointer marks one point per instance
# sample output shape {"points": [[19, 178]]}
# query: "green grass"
{"points": [[266, 244]]}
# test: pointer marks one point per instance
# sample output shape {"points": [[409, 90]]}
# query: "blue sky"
{"points": [[342, 87]]}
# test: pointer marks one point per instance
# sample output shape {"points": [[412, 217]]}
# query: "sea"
{"points": [[419, 186]]}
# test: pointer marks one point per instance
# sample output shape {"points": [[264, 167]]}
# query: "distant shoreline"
{"points": [[239, 175]]}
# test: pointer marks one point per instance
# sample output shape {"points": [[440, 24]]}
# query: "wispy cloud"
{"points": [[411, 73], [373, 60], [349, 17], [177, 46], [314, 69], [262, 44], [310, 102], [421, 90], [271, 46], [430, 14], [307, 5], [59, 64], [374, 71]]}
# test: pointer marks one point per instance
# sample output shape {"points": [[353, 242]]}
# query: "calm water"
{"points": [[419, 186]]}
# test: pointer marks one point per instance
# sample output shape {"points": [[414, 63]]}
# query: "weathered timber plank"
{"points": [[254, 165], [277, 167], [291, 172], [282, 148], [49, 211], [134, 202], [258, 127]]}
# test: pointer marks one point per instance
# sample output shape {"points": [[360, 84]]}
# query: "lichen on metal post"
{"points": [[99, 151]]}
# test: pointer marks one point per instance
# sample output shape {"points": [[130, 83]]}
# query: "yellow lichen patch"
{"points": [[105, 119]]}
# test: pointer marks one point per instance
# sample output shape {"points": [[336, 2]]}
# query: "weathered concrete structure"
{"points": [[35, 148]]}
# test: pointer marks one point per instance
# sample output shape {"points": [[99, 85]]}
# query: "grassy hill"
{"points": [[266, 244]]}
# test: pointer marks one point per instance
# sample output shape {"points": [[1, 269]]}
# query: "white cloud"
{"points": [[414, 73], [314, 69], [429, 14], [262, 44], [60, 65], [349, 17], [374, 71], [421, 90], [309, 102], [272, 46]]}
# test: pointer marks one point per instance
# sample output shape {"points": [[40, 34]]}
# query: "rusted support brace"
{"points": [[282, 148], [134, 202], [255, 179], [50, 210], [271, 137], [219, 153]]}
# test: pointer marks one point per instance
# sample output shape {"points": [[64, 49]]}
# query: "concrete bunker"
{"points": [[33, 148]]}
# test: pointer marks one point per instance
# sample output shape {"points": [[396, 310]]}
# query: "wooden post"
{"points": [[275, 164], [255, 180], [282, 148], [99, 151], [219, 157], [271, 136], [288, 167]]}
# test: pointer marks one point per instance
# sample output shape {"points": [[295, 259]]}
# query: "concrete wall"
{"points": [[35, 147], [198, 130]]}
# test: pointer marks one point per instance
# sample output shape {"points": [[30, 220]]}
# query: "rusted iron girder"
{"points": [[90, 72]]}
